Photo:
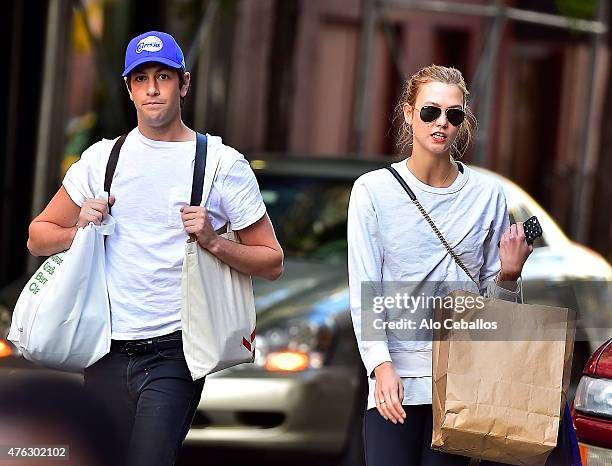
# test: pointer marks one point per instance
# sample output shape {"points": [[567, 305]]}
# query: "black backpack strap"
{"points": [[111, 165], [198, 169]]}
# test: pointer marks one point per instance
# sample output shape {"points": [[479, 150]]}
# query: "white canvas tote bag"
{"points": [[218, 307], [62, 317]]}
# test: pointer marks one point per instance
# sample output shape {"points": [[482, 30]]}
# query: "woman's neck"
{"points": [[436, 170]]}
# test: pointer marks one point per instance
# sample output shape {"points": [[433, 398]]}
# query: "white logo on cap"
{"points": [[150, 44]]}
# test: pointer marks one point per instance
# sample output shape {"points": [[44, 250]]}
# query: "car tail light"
{"points": [[5, 348], [287, 361], [293, 344], [595, 456]]}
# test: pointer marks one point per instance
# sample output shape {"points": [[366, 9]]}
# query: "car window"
{"points": [[520, 213], [309, 215]]}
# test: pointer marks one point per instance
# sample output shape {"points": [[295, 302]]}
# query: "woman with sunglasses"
{"points": [[391, 241]]}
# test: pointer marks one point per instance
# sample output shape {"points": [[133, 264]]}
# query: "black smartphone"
{"points": [[532, 229]]}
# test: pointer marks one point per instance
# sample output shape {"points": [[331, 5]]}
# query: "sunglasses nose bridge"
{"points": [[442, 119]]}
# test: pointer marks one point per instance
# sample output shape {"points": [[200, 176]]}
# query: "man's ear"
{"points": [[408, 112], [187, 80], [125, 80]]}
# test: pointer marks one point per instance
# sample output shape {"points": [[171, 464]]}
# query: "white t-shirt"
{"points": [[144, 256], [390, 241]]}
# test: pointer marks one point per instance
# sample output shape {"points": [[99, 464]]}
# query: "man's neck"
{"points": [[175, 133]]}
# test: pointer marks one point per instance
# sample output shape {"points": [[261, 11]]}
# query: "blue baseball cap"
{"points": [[153, 46]]}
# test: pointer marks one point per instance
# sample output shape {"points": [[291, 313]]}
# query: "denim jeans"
{"points": [[151, 397], [407, 444]]}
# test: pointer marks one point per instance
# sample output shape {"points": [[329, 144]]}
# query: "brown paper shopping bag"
{"points": [[498, 393]]}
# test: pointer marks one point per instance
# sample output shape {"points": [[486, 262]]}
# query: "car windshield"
{"points": [[309, 215]]}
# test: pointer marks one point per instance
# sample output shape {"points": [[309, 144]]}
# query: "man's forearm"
{"points": [[260, 261], [46, 238]]}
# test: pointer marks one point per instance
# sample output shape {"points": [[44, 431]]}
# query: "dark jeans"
{"points": [[150, 393], [409, 444]]}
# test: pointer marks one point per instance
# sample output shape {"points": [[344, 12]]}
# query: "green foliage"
{"points": [[577, 9]]}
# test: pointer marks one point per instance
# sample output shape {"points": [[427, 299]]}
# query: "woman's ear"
{"points": [[408, 112]]}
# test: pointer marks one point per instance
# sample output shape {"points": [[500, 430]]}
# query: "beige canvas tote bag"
{"points": [[218, 307]]}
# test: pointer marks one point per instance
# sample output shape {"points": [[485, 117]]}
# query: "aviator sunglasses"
{"points": [[429, 113]]}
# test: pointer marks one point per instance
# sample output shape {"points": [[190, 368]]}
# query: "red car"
{"points": [[592, 408]]}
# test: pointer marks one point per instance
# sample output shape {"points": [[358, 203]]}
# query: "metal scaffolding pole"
{"points": [[9, 202], [202, 34], [51, 120], [370, 8], [487, 77], [514, 14], [199, 51], [587, 162]]}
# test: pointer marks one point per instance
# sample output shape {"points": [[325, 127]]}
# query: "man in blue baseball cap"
{"points": [[144, 378], [155, 51]]}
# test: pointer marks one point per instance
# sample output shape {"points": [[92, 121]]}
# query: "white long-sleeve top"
{"points": [[390, 241]]}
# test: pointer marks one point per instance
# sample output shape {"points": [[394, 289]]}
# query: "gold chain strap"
{"points": [[433, 226], [443, 240]]}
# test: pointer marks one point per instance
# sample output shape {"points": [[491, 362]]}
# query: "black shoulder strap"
{"points": [[402, 183], [111, 165], [198, 172], [198, 169]]}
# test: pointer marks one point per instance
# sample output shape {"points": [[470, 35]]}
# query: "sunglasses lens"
{"points": [[455, 116], [429, 113]]}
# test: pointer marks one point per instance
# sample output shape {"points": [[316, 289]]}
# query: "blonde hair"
{"points": [[435, 73]]}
